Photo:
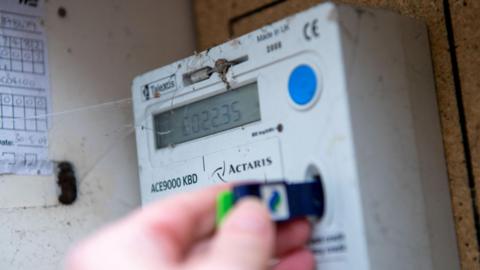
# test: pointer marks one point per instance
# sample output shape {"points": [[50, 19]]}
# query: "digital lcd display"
{"points": [[222, 112]]}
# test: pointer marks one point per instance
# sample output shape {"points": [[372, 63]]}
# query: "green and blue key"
{"points": [[285, 201]]}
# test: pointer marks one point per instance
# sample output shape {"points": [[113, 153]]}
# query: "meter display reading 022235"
{"points": [[221, 112]]}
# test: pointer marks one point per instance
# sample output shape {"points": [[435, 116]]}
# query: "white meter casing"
{"points": [[340, 94]]}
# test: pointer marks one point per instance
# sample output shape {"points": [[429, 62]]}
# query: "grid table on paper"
{"points": [[23, 113], [19, 54]]}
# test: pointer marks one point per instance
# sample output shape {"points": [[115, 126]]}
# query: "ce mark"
{"points": [[310, 30]]}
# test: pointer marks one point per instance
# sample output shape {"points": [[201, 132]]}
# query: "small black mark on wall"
{"points": [[279, 127], [67, 182], [62, 12]]}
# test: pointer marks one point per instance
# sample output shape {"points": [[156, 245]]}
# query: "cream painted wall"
{"points": [[95, 52]]}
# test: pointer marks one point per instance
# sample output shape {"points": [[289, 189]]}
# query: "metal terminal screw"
{"points": [[221, 67]]}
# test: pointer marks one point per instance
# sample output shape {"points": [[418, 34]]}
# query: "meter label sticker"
{"points": [[174, 178], [275, 198], [156, 88], [258, 161]]}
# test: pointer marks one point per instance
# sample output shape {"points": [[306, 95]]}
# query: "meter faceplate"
{"points": [[342, 104]]}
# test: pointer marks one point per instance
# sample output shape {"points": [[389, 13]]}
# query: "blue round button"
{"points": [[302, 84]]}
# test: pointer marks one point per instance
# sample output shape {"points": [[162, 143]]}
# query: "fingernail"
{"points": [[249, 216]]}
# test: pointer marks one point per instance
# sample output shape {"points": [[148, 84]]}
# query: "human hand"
{"points": [[179, 233]]}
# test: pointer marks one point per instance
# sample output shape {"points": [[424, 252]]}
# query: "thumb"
{"points": [[245, 240]]}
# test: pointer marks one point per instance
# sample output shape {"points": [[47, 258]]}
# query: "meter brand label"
{"points": [[241, 167], [238, 168], [155, 89], [256, 161], [174, 183]]}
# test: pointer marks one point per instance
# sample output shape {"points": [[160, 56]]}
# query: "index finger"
{"points": [[178, 221]]}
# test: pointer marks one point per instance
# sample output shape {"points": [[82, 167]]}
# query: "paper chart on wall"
{"points": [[24, 89]]}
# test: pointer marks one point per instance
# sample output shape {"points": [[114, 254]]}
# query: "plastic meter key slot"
{"points": [[341, 94]]}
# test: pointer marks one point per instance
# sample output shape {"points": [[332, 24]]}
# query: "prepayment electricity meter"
{"points": [[336, 94]]}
